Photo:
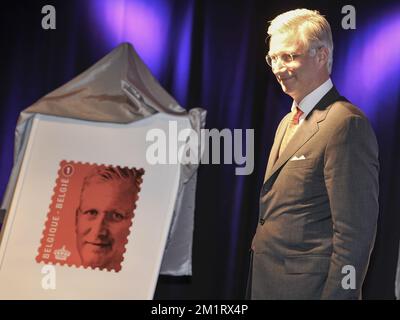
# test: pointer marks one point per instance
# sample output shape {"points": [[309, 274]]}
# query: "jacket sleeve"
{"points": [[351, 169]]}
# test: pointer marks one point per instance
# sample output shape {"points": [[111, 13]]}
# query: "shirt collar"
{"points": [[310, 100]]}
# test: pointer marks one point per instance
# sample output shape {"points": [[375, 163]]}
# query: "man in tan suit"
{"points": [[319, 200]]}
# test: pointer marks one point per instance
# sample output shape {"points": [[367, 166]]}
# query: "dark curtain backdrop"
{"points": [[210, 54]]}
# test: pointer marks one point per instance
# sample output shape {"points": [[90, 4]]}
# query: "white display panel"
{"points": [[54, 139]]}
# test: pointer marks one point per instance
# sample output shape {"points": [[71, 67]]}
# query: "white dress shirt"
{"points": [[310, 100]]}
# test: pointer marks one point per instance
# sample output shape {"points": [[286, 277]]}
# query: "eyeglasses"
{"points": [[286, 58]]}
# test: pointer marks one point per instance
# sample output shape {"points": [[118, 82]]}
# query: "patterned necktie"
{"points": [[291, 129]]}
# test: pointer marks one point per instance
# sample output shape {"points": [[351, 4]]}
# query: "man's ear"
{"points": [[323, 56]]}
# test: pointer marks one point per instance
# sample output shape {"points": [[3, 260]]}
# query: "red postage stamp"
{"points": [[90, 215]]}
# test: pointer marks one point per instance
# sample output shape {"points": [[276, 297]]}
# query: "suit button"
{"points": [[262, 221]]}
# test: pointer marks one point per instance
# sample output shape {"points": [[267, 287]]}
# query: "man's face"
{"points": [[103, 222], [299, 77]]}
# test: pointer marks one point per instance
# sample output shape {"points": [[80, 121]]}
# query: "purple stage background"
{"points": [[210, 54]]}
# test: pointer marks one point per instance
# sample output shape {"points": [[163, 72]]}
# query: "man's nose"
{"points": [[278, 67], [99, 227]]}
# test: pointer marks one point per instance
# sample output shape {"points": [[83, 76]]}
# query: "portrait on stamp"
{"points": [[90, 215]]}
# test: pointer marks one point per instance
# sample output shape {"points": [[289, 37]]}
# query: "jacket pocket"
{"points": [[307, 264], [305, 163]]}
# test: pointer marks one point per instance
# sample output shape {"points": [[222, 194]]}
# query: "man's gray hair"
{"points": [[309, 26], [103, 174]]}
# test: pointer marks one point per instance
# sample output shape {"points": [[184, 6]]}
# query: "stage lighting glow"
{"points": [[142, 23], [369, 74]]}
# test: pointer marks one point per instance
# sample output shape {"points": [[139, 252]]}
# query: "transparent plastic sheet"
{"points": [[120, 89]]}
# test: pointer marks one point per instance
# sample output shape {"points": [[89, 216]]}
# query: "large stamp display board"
{"points": [[60, 150]]}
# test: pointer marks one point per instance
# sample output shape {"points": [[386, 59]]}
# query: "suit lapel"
{"points": [[308, 128], [273, 156]]}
